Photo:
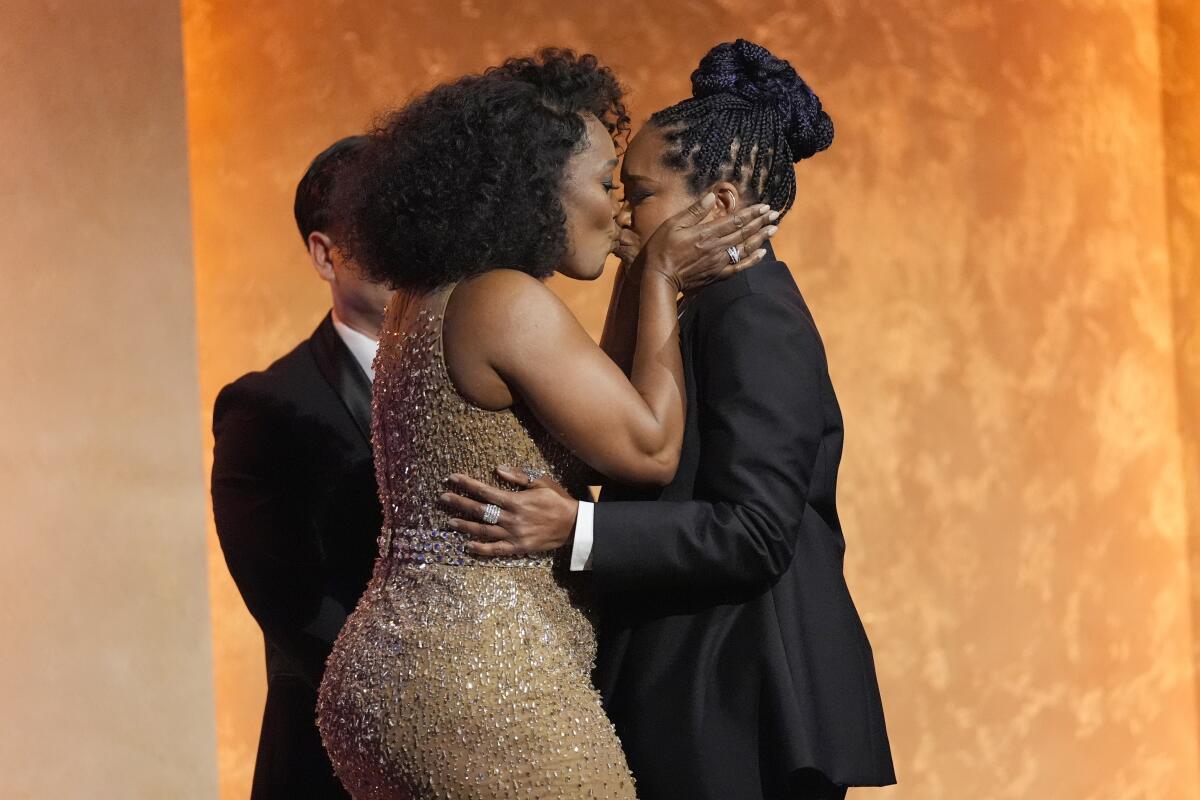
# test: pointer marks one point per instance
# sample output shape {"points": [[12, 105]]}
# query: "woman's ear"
{"points": [[728, 198], [320, 252]]}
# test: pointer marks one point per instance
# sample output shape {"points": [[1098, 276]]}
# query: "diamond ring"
{"points": [[734, 255], [491, 514]]}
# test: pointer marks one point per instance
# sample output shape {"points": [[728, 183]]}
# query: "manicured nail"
{"points": [[764, 208], [759, 252], [774, 215], [709, 200], [454, 524], [505, 468], [772, 230]]}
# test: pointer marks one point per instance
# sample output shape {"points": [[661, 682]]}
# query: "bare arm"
{"points": [[621, 323], [510, 327], [507, 337]]}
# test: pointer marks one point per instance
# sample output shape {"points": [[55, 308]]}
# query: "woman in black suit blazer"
{"points": [[732, 660]]}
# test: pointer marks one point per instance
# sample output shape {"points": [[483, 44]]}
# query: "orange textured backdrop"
{"points": [[1180, 44], [985, 248]]}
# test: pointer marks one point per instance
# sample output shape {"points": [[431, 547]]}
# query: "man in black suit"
{"points": [[294, 494]]}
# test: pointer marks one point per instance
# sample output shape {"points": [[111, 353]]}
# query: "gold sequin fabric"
{"points": [[458, 677]]}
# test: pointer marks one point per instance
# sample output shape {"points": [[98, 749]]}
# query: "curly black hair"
{"points": [[467, 177], [750, 117]]}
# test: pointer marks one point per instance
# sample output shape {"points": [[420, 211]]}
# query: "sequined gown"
{"points": [[458, 677]]}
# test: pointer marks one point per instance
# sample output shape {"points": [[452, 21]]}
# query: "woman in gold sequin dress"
{"points": [[459, 677]]}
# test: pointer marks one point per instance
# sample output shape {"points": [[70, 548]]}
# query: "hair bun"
{"points": [[749, 71]]}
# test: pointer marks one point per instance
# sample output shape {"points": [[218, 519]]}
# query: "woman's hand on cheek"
{"points": [[691, 250]]}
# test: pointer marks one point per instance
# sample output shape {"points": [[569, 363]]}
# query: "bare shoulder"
{"points": [[498, 325], [504, 305], [502, 294]]}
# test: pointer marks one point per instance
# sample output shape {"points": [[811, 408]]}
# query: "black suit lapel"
{"points": [[347, 378]]}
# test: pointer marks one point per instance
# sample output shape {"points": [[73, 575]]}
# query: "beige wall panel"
{"points": [[106, 676]]}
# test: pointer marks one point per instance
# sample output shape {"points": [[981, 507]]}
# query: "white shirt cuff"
{"points": [[581, 549]]}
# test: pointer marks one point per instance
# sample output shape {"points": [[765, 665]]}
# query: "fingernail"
{"points": [[444, 497], [772, 230], [454, 524], [774, 215], [764, 208], [709, 200], [759, 252], [505, 467]]}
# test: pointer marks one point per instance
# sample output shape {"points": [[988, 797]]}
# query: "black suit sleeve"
{"points": [[760, 376], [270, 544]]}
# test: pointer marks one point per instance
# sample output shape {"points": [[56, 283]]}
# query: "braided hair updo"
{"points": [[750, 117]]}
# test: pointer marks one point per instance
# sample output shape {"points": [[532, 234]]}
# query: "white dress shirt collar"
{"points": [[361, 346]]}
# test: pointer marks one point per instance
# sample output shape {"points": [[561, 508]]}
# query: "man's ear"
{"points": [[728, 198], [320, 252]]}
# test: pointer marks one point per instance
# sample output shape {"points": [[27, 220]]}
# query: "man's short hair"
{"points": [[314, 194]]}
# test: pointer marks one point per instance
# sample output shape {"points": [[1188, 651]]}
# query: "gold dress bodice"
{"points": [[423, 429], [455, 676]]}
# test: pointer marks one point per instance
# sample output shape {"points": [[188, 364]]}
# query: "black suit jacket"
{"points": [[298, 516], [732, 659]]}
